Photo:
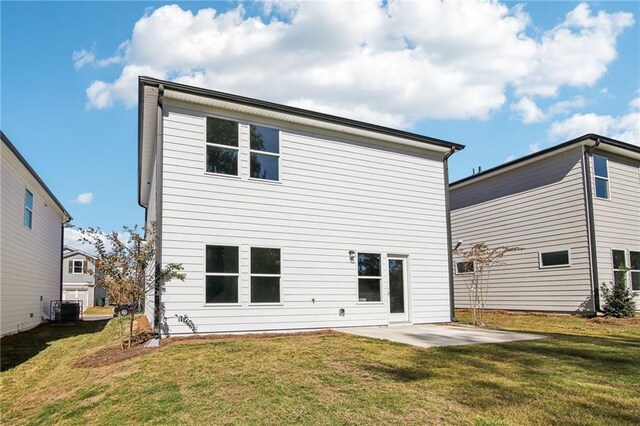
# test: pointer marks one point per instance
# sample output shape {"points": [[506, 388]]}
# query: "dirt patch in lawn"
{"points": [[114, 354], [237, 337]]}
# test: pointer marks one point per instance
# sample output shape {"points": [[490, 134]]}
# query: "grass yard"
{"points": [[98, 310], [587, 372]]}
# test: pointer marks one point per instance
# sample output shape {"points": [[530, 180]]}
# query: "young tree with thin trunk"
{"points": [[479, 261], [127, 268]]}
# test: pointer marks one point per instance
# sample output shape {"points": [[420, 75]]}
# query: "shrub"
{"points": [[618, 300]]}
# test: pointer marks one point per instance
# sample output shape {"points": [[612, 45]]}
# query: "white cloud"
{"points": [[635, 103], [528, 111], [82, 57], [510, 158], [84, 198], [72, 238], [625, 127], [534, 147], [392, 63]]}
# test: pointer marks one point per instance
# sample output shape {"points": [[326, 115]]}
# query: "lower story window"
{"points": [[222, 272], [464, 267], [619, 266], [265, 275], [635, 270], [554, 259], [369, 277]]}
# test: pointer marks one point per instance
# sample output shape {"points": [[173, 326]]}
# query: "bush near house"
{"points": [[618, 300]]}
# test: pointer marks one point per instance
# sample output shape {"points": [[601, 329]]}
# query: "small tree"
{"points": [[618, 299], [479, 261], [127, 268]]}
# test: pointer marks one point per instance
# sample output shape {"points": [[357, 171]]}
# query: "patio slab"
{"points": [[430, 335]]}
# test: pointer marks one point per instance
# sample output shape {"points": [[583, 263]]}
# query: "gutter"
{"points": [[445, 162], [591, 230], [158, 225]]}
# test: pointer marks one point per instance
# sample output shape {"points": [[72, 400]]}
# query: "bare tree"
{"points": [[479, 261], [127, 268]]}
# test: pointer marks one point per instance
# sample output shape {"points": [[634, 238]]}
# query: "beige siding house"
{"points": [[31, 228], [79, 278], [285, 218], [573, 208]]}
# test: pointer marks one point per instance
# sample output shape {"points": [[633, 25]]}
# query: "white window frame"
{"points": [[217, 145], [606, 179], [614, 267], [279, 276], [273, 154], [541, 252], [631, 270], [455, 267], [73, 268], [28, 209], [221, 274], [383, 286]]}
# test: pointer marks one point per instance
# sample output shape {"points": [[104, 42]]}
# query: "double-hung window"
{"points": [[264, 152], [369, 277], [222, 272], [28, 209], [222, 146], [77, 266], [635, 270], [619, 266], [265, 275], [601, 176]]}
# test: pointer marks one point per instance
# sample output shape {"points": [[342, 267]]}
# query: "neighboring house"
{"points": [[574, 208], [79, 278], [31, 234], [285, 218]]}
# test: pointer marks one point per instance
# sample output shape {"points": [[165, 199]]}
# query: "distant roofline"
{"points": [[74, 251], [27, 166], [150, 81], [526, 158]]}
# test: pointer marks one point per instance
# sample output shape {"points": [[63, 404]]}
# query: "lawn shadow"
{"points": [[18, 348]]}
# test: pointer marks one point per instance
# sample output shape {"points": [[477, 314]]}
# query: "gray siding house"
{"points": [[285, 218], [573, 208], [78, 281], [31, 234]]}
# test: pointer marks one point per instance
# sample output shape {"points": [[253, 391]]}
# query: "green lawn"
{"points": [[98, 310], [585, 373]]}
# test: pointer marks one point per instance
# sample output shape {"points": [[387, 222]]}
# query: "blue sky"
{"points": [[504, 79]]}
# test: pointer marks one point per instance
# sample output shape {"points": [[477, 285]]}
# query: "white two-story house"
{"points": [[285, 218], [31, 234], [573, 208]]}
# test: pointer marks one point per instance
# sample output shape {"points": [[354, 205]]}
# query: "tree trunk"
{"points": [[132, 314]]}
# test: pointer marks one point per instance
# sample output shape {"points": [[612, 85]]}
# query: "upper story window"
{"points": [[265, 275], [554, 259], [265, 152], [635, 270], [369, 277], [619, 265], [28, 209], [222, 146], [76, 266], [222, 271], [601, 176]]}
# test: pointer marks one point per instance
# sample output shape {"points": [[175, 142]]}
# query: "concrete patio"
{"points": [[430, 335]]}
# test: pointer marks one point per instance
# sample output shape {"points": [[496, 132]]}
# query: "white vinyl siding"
{"points": [[31, 258], [617, 220], [334, 195], [538, 207]]}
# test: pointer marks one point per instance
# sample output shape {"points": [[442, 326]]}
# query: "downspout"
{"points": [[157, 314], [452, 308], [591, 231]]}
